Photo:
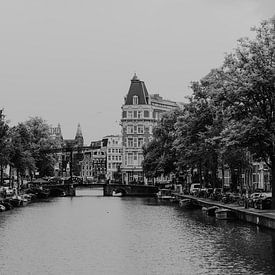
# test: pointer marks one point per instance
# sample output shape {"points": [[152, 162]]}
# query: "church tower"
{"points": [[79, 141]]}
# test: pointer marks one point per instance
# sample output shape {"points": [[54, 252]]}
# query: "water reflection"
{"points": [[91, 234]]}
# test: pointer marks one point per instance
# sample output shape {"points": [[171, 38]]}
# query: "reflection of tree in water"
{"points": [[240, 248], [249, 247]]}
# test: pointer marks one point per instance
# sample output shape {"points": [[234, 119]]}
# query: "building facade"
{"points": [[62, 165], [140, 113], [114, 157], [93, 165]]}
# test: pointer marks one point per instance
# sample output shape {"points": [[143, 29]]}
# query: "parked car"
{"points": [[253, 198], [195, 188], [264, 201], [230, 197], [217, 194]]}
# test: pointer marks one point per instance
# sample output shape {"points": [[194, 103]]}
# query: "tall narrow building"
{"points": [[140, 113]]}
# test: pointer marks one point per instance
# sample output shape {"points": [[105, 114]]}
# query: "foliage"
{"points": [[231, 113], [160, 155], [4, 144]]}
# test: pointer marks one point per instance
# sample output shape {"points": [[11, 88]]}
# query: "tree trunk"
{"points": [[1, 174], [10, 178], [18, 180], [200, 174], [273, 181], [234, 180], [222, 176]]}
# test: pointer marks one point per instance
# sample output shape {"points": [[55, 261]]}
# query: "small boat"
{"points": [[119, 194], [165, 194], [7, 204], [188, 204], [27, 197], [210, 211], [2, 208], [224, 214], [16, 201]]}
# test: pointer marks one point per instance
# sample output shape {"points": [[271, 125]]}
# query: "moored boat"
{"points": [[210, 211], [224, 214], [165, 194], [188, 204], [7, 204], [2, 207], [118, 194], [16, 201]]}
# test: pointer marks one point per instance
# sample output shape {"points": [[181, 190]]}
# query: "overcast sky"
{"points": [[71, 61]]}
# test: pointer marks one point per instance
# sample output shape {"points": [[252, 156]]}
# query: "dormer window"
{"points": [[135, 100]]}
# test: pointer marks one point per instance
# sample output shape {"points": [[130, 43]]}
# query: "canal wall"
{"points": [[264, 218]]}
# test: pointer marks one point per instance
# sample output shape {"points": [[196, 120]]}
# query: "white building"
{"points": [[114, 155], [140, 113]]}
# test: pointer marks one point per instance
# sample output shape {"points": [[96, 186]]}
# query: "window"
{"points": [[139, 114], [109, 157], [130, 142], [140, 129], [135, 114], [135, 143], [124, 114], [135, 129], [146, 113], [130, 158], [130, 129], [140, 158], [135, 157], [135, 100], [109, 150], [130, 114], [140, 142]]}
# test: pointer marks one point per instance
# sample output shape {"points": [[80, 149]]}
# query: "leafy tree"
{"points": [[4, 144], [160, 154], [40, 141], [195, 131], [20, 152], [248, 93]]}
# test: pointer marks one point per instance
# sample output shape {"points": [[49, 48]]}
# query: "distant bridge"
{"points": [[108, 189]]}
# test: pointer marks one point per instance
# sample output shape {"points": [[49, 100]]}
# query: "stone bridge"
{"points": [[130, 190], [108, 189]]}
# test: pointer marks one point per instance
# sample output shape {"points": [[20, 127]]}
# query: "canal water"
{"points": [[92, 234]]}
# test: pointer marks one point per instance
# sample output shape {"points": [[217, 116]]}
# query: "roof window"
{"points": [[135, 100]]}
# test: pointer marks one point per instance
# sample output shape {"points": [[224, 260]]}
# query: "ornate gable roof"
{"points": [[137, 88]]}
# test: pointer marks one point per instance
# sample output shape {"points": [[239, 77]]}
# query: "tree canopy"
{"points": [[230, 112]]}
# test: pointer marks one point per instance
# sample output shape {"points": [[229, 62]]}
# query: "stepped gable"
{"points": [[138, 89]]}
